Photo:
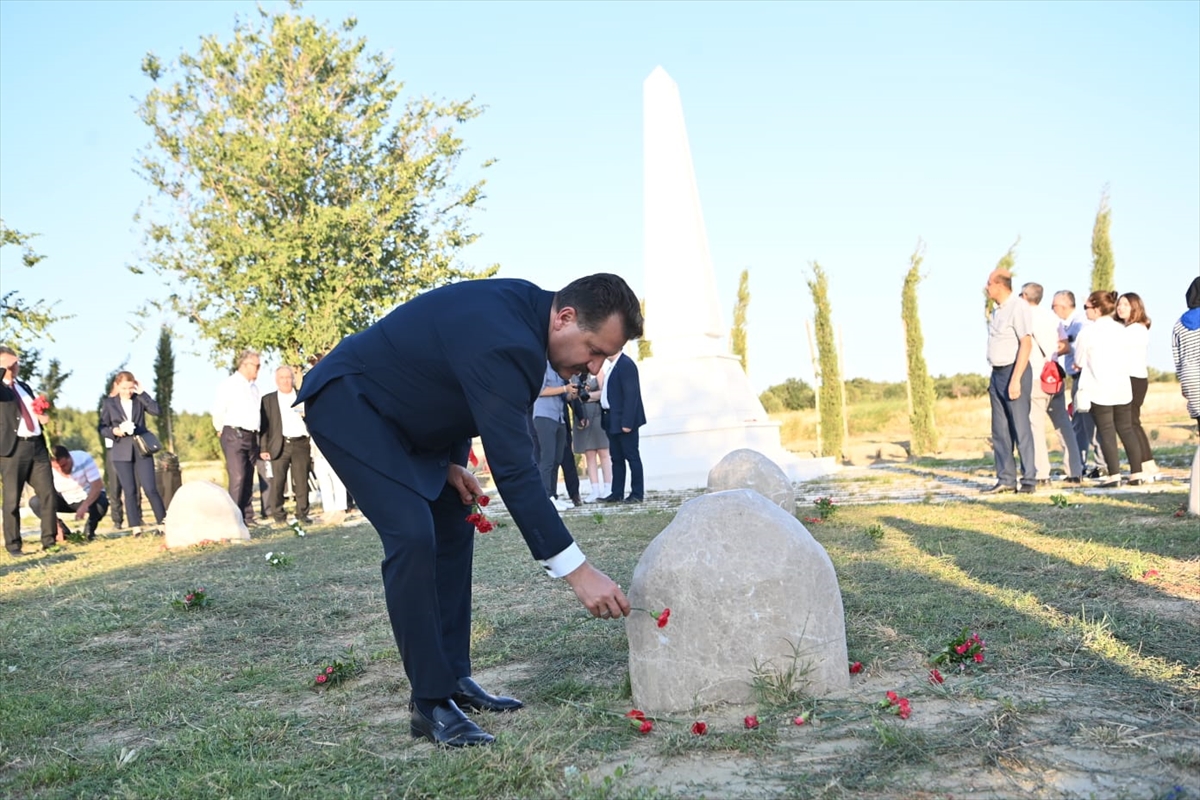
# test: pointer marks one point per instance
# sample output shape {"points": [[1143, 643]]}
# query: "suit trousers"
{"points": [[1010, 427], [569, 470], [296, 456], [137, 476], [96, 510], [241, 449], [551, 438], [428, 551], [112, 487], [29, 463], [623, 447]]}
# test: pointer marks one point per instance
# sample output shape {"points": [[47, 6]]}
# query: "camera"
{"points": [[584, 394]]}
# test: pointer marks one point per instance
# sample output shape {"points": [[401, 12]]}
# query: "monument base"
{"points": [[699, 409]]}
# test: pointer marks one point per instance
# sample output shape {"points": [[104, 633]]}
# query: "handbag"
{"points": [[1052, 378], [147, 443]]}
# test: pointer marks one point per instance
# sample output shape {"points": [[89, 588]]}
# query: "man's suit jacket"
{"points": [[10, 416], [463, 360], [112, 415], [270, 426], [625, 408]]}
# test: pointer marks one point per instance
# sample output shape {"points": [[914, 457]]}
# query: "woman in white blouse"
{"points": [[1102, 355], [1132, 312]]}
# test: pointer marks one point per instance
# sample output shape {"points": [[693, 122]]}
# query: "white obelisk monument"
{"points": [[699, 402]]}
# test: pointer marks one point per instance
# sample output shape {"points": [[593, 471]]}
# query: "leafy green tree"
{"points": [[1104, 266], [923, 431], [195, 437], [21, 319], [164, 388], [737, 334], [791, 395], [832, 410], [299, 202], [961, 384]]}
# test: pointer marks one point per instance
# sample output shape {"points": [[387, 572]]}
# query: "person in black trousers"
{"points": [[121, 418], [23, 455]]}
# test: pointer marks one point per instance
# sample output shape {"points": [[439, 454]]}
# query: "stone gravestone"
{"points": [[746, 583], [750, 469], [202, 511]]}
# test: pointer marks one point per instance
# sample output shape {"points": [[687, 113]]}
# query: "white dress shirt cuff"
{"points": [[565, 562]]}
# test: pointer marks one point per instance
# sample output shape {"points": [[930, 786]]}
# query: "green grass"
{"points": [[1089, 613]]}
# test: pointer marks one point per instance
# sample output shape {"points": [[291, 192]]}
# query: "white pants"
{"points": [[333, 491], [1042, 405]]}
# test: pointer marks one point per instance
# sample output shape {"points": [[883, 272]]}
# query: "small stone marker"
{"points": [[202, 511], [745, 582], [750, 469]]}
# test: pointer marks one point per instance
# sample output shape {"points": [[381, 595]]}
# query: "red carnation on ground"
{"points": [[935, 676], [322, 678], [663, 617], [856, 668], [699, 728], [751, 722], [635, 714], [646, 726]]}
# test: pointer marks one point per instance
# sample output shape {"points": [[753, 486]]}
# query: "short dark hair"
{"points": [[597, 297], [61, 452], [1104, 302]]}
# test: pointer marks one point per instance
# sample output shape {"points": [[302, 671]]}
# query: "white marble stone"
{"points": [[746, 583], [750, 469], [201, 511]]}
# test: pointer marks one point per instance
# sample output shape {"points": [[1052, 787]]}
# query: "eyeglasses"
{"points": [[1088, 308]]}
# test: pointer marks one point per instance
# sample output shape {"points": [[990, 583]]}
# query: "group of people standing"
{"points": [[596, 416], [66, 481], [1102, 351], [264, 436]]}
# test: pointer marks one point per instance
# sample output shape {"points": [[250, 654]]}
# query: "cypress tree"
{"points": [[830, 389], [1104, 266], [164, 388], [1005, 263], [920, 385], [737, 334]]}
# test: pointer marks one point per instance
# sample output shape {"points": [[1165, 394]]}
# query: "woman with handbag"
{"points": [[123, 419]]}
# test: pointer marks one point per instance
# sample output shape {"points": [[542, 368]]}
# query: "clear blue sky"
{"points": [[836, 132]]}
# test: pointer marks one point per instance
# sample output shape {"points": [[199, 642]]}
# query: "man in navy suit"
{"points": [[23, 455], [393, 409], [621, 413]]}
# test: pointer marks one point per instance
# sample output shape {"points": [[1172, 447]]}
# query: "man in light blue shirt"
{"points": [[550, 427]]}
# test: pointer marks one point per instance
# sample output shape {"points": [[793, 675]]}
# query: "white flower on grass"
{"points": [[269, 556]]}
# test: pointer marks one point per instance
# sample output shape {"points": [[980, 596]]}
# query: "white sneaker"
{"points": [[560, 505]]}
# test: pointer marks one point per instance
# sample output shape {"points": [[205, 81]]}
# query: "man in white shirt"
{"points": [[1073, 321], [237, 415], [1046, 347], [78, 487], [283, 441]]}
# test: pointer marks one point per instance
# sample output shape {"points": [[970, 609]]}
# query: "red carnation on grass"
{"points": [[635, 714], [856, 668], [1150, 573], [699, 728], [897, 705], [904, 708], [329, 670], [800, 720], [322, 678], [935, 676], [646, 726], [751, 722]]}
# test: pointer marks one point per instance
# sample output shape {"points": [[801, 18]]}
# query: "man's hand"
{"points": [[1014, 389], [598, 593], [81, 512], [626, 430], [466, 484], [264, 455]]}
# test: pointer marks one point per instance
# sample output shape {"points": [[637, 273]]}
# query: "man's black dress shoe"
{"points": [[1028, 488], [448, 726], [470, 695], [999, 488], [612, 498], [633, 499]]}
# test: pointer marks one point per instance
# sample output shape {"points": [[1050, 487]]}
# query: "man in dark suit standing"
{"points": [[23, 455], [283, 442], [394, 408], [621, 413]]}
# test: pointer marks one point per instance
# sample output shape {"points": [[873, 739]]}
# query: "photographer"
{"points": [[590, 440]]}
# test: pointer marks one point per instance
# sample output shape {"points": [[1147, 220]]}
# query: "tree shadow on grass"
{"points": [[1023, 576]]}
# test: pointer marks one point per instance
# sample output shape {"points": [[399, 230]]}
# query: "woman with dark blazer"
{"points": [[122, 416]]}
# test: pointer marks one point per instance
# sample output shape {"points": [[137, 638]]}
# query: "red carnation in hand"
{"points": [[751, 722], [699, 728], [482, 500], [856, 668], [41, 404]]}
